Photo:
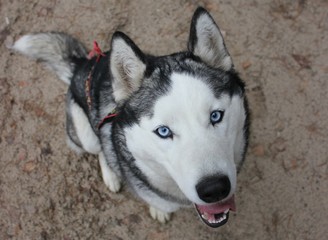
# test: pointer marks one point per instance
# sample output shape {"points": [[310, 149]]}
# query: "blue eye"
{"points": [[164, 132], [216, 116]]}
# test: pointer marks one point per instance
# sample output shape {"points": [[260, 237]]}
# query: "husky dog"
{"points": [[173, 128]]}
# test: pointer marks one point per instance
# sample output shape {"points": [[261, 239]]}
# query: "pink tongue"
{"points": [[218, 207]]}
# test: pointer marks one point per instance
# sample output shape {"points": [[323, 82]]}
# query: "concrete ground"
{"points": [[280, 48]]}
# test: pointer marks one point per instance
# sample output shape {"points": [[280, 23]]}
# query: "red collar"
{"points": [[108, 119], [96, 51]]}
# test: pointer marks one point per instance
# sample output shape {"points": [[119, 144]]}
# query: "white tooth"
{"points": [[224, 217], [226, 211], [203, 216]]}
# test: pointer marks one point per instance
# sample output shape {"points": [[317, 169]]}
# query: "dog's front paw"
{"points": [[159, 215], [112, 181]]}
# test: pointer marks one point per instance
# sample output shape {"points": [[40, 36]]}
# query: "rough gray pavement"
{"points": [[280, 49]]}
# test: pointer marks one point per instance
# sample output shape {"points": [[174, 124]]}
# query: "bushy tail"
{"points": [[58, 51]]}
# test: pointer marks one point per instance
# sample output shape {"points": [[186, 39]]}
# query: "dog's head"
{"points": [[184, 117]]}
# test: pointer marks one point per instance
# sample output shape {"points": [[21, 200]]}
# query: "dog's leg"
{"points": [[84, 135], [110, 178], [159, 215], [72, 139]]}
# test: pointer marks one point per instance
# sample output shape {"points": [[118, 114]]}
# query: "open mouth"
{"points": [[217, 214]]}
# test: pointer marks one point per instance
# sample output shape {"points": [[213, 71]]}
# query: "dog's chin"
{"points": [[217, 214]]}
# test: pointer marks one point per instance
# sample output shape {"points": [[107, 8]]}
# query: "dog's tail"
{"points": [[58, 51]]}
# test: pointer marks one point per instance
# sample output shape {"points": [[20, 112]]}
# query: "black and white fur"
{"points": [[182, 128]]}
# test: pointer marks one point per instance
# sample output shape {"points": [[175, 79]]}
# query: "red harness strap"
{"points": [[108, 119], [96, 51]]}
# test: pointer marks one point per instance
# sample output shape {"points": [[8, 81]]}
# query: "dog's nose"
{"points": [[214, 188]]}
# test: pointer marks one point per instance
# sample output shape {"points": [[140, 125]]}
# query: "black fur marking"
{"points": [[246, 133], [100, 87]]}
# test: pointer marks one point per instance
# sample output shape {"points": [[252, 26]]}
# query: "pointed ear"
{"points": [[127, 65], [206, 41]]}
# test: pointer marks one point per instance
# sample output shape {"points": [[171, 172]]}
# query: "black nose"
{"points": [[214, 188]]}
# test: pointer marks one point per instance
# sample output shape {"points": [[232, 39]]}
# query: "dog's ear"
{"points": [[206, 41], [127, 65]]}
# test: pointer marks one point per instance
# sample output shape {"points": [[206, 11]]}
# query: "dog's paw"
{"points": [[159, 215], [112, 181]]}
